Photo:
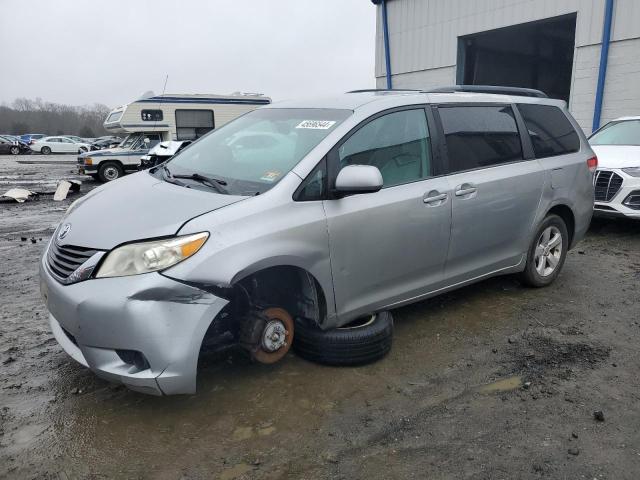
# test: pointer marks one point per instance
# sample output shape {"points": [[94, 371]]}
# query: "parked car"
{"points": [[9, 144], [49, 145], [161, 153], [617, 183], [109, 164], [29, 138], [101, 144], [77, 139], [385, 199]]}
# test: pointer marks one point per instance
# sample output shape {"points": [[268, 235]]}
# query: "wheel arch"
{"points": [[291, 285], [566, 213]]}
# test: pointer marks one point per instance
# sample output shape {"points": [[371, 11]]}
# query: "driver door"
{"points": [[390, 246]]}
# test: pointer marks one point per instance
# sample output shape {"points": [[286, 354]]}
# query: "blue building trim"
{"points": [[604, 59], [387, 54]]}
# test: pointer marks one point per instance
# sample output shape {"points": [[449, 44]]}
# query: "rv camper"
{"points": [[151, 120]]}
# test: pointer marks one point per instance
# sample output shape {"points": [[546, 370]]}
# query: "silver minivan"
{"points": [[303, 223]]}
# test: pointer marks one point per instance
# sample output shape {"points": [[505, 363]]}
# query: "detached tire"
{"points": [[361, 342]]}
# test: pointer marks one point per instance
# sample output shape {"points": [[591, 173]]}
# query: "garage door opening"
{"points": [[532, 55]]}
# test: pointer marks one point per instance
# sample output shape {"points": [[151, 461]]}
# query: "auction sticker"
{"points": [[270, 176], [316, 124]]}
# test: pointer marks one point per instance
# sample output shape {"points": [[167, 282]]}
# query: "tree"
{"points": [[86, 132], [19, 128]]}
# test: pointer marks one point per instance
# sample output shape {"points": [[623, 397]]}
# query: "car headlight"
{"points": [[144, 257], [633, 171]]}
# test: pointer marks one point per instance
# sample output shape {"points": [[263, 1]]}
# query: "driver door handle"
{"points": [[434, 198]]}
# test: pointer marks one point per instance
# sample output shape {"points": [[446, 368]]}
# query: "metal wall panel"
{"points": [[424, 33]]}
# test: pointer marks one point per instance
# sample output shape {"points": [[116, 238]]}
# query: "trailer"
{"points": [[154, 119]]}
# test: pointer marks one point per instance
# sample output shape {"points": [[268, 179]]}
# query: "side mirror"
{"points": [[146, 141], [358, 179]]}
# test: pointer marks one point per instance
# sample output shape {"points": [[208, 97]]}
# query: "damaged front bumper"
{"points": [[144, 331]]}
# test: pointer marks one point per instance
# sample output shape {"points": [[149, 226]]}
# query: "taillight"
{"points": [[592, 163]]}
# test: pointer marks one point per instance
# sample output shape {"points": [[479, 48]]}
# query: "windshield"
{"points": [[626, 132], [254, 152], [130, 140]]}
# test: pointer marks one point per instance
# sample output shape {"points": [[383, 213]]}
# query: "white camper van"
{"points": [[155, 119]]}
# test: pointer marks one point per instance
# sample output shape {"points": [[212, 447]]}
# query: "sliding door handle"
{"points": [[465, 189]]}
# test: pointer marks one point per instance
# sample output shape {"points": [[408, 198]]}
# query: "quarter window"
{"points": [[397, 143], [151, 115], [192, 124], [481, 136], [550, 130]]}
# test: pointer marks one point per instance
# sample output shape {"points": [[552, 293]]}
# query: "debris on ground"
{"points": [[573, 451], [20, 195], [64, 187], [599, 415]]}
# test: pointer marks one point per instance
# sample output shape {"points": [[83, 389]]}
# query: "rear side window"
{"points": [[480, 136], [550, 130]]}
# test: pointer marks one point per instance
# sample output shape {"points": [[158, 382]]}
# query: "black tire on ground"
{"points": [[14, 150], [531, 275], [358, 343], [45, 151], [109, 171]]}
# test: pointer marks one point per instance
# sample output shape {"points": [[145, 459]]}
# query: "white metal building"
{"points": [[563, 47]]}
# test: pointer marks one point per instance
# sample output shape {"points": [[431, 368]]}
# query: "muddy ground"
{"points": [[494, 381]]}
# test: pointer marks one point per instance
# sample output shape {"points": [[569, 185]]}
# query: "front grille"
{"points": [[64, 260], [607, 184]]}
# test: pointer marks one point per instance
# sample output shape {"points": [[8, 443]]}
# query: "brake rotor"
{"points": [[276, 337]]}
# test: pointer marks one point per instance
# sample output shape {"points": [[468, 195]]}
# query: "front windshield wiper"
{"points": [[217, 183]]}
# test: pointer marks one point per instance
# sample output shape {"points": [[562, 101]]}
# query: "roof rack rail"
{"points": [[517, 91], [368, 90]]}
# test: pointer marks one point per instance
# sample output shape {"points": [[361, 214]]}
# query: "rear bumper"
{"points": [[162, 319]]}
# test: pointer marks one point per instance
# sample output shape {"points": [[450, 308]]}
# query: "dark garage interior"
{"points": [[532, 55]]}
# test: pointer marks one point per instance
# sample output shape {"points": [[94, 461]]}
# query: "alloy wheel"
{"points": [[548, 251]]}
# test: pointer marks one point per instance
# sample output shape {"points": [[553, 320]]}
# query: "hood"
{"points": [[165, 149], [113, 152], [137, 207], [617, 156]]}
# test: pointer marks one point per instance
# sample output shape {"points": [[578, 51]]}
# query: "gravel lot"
{"points": [[492, 381]]}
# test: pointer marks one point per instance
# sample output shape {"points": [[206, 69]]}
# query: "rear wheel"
{"points": [[364, 341], [14, 150], [109, 171], [547, 253], [45, 151]]}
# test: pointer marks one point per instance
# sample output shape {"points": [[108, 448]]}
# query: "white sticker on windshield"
{"points": [[316, 124]]}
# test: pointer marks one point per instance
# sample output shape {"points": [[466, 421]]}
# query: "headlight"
{"points": [[633, 171], [145, 257], [88, 161]]}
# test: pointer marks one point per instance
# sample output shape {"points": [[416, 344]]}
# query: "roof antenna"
{"points": [[166, 79]]}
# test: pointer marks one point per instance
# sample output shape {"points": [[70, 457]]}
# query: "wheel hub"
{"points": [[274, 336]]}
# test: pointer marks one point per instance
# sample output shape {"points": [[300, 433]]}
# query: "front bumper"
{"points": [[616, 207], [163, 319]]}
